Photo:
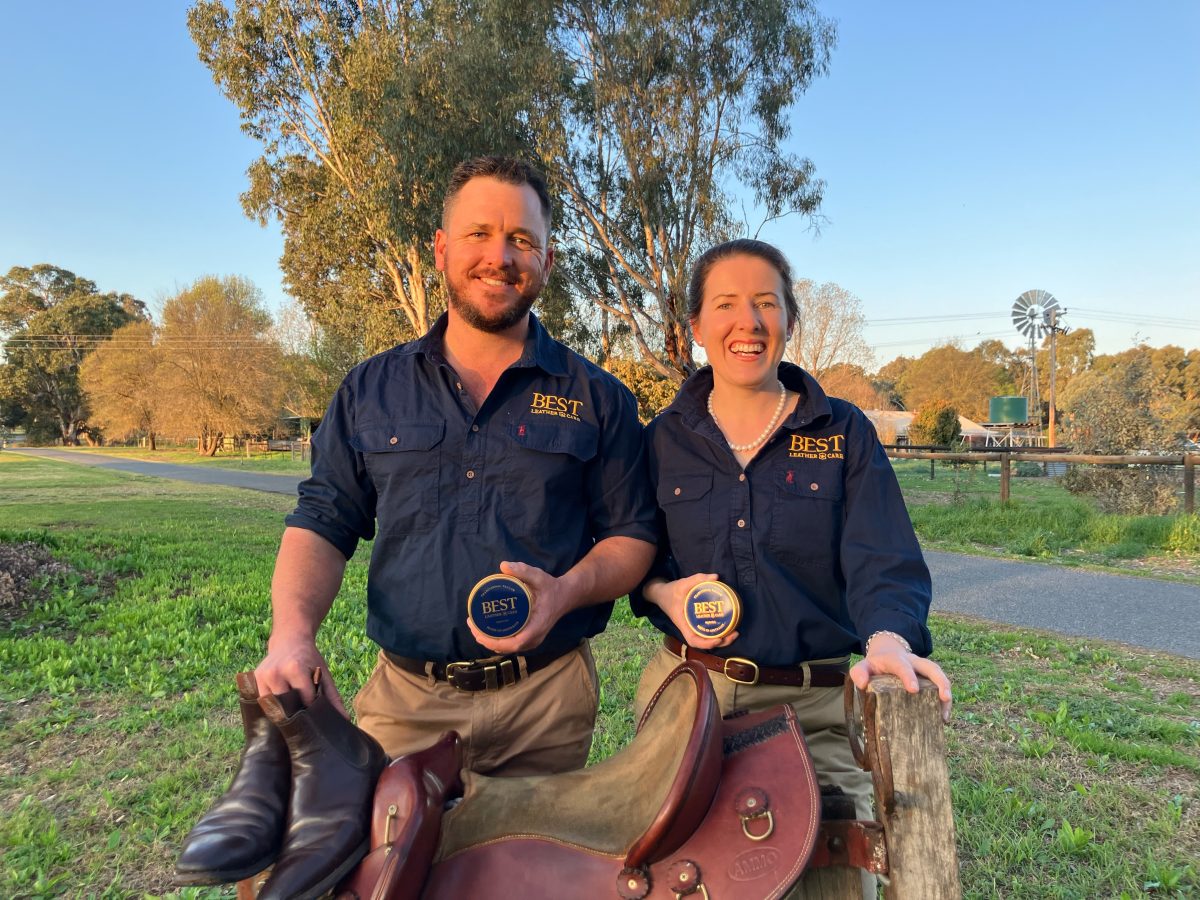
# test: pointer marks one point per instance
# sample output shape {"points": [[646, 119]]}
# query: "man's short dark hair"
{"points": [[502, 168]]}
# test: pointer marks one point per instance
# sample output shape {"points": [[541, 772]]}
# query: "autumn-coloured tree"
{"points": [[122, 379], [221, 368], [851, 383], [963, 378]]}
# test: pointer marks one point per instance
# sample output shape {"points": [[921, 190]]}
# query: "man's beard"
{"points": [[503, 321]]}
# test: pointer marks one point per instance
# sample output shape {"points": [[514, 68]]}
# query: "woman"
{"points": [[785, 495]]}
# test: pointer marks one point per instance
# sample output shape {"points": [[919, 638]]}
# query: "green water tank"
{"points": [[1008, 410]]}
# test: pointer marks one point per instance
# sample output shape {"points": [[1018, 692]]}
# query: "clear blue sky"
{"points": [[972, 151]]}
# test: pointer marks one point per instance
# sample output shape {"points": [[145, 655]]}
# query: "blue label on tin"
{"points": [[500, 606], [711, 609]]}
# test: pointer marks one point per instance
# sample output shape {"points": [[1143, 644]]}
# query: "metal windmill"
{"points": [[1035, 313]]}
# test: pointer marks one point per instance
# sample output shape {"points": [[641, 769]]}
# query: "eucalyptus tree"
{"points": [[362, 109], [679, 112], [50, 321]]}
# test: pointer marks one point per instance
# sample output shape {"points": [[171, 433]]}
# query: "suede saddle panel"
{"points": [[640, 802], [734, 807]]}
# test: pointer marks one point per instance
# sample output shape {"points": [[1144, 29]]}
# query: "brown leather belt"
{"points": [[478, 674], [745, 671]]}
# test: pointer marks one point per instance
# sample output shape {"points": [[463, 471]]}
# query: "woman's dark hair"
{"points": [[740, 247]]}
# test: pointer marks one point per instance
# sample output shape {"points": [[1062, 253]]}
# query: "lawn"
{"points": [[959, 509], [1074, 764], [278, 461]]}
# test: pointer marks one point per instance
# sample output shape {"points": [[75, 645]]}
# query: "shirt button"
{"points": [[741, 523], [814, 487], [394, 440], [677, 492], [474, 427], [742, 477], [470, 473]]}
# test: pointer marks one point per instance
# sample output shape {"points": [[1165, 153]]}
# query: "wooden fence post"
{"points": [[1005, 476], [912, 790], [1189, 483]]}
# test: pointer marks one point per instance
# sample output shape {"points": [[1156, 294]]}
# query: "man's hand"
{"points": [[552, 600], [888, 657], [289, 664], [669, 596]]}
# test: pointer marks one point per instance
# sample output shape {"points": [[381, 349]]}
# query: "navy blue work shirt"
{"points": [[552, 462], [813, 535]]}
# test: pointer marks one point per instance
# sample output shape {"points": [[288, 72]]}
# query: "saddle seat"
{"points": [[640, 804]]}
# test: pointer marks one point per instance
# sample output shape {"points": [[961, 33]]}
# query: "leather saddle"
{"points": [[694, 805]]}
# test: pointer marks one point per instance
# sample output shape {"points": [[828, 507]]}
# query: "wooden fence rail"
{"points": [[1186, 460]]}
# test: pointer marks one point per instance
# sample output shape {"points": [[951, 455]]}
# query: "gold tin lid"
{"points": [[499, 605], [712, 609]]}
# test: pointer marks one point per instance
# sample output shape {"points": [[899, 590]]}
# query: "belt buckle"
{"points": [[745, 662], [496, 674], [452, 670]]}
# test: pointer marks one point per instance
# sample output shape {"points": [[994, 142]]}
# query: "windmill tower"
{"points": [[1035, 314]]}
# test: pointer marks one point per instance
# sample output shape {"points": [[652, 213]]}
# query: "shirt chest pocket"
{"points": [[686, 502], [807, 514], [544, 475], [403, 458]]}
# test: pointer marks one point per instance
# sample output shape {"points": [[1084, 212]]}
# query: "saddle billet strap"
{"points": [[745, 671], [478, 674]]}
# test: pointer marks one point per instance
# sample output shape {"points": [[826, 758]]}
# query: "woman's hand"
{"points": [[669, 596], [887, 656]]}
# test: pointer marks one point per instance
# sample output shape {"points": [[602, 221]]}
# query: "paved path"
{"points": [[256, 481], [1144, 612]]}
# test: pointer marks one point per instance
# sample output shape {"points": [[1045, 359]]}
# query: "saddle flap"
{"points": [[409, 798], [695, 781]]}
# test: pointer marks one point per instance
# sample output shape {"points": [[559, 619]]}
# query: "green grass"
{"points": [[960, 509], [278, 461], [1074, 764]]}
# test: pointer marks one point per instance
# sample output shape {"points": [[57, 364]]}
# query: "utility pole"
{"points": [[1052, 322]]}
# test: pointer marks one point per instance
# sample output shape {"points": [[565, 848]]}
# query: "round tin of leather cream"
{"points": [[499, 605], [712, 609]]}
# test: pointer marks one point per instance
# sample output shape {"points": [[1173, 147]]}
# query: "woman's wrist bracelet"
{"points": [[903, 643]]}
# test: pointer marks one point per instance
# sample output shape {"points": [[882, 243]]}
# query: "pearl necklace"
{"points": [[767, 432]]}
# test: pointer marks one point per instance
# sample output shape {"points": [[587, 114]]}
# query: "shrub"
{"points": [[1137, 490], [935, 422]]}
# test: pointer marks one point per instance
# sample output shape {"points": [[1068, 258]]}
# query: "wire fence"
{"points": [[1047, 463]]}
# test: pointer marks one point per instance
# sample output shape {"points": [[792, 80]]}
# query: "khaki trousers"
{"points": [[821, 714], [540, 725]]}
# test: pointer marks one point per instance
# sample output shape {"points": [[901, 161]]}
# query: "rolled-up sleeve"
{"points": [[337, 500], [888, 586]]}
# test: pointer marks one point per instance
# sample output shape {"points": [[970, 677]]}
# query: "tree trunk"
{"points": [[151, 439]]}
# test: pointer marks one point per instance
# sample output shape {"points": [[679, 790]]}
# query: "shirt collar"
{"points": [[692, 400], [541, 350]]}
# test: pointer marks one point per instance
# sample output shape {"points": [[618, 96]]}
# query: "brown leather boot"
{"points": [[334, 769], [242, 833]]}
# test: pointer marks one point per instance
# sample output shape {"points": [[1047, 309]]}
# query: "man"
{"points": [[483, 446]]}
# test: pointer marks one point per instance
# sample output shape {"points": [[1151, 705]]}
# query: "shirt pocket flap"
{"points": [[817, 481], [390, 437], [578, 439], [682, 488]]}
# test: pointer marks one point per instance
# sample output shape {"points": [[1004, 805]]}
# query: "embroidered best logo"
{"points": [[802, 446], [551, 405]]}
